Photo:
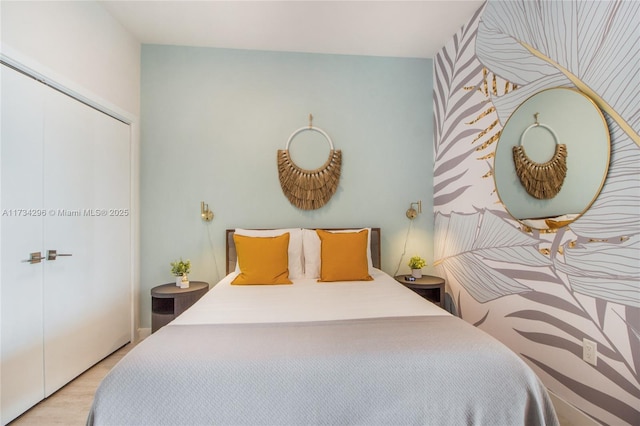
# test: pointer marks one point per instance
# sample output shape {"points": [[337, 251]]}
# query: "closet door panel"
{"points": [[83, 179], [21, 111], [67, 187], [111, 236]]}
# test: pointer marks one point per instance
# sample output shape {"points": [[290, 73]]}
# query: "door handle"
{"points": [[34, 257], [53, 254]]}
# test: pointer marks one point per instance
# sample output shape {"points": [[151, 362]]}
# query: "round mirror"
{"points": [[552, 158]]}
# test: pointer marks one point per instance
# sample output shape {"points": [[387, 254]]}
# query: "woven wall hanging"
{"points": [[541, 180], [309, 189]]}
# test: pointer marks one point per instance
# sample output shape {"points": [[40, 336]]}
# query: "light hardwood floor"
{"points": [[70, 405]]}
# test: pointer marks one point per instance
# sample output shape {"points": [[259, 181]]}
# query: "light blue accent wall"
{"points": [[213, 120]]}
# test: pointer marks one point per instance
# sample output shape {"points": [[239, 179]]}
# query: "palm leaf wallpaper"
{"points": [[543, 293]]}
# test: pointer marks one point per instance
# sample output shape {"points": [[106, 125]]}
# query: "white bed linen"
{"points": [[307, 300]]}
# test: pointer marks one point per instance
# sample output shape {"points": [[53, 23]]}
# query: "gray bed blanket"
{"points": [[432, 370]]}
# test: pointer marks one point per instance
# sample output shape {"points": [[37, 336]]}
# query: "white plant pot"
{"points": [[416, 273], [184, 281]]}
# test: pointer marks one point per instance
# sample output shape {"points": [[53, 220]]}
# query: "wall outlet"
{"points": [[590, 351]]}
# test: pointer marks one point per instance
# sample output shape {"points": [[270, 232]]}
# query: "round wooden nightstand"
{"points": [[429, 287], [168, 301]]}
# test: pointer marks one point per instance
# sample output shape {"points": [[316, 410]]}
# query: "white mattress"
{"points": [[307, 300]]}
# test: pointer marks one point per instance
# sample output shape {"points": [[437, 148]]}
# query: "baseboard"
{"points": [[143, 333], [568, 415]]}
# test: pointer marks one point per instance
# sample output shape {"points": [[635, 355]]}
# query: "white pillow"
{"points": [[311, 249], [296, 266]]}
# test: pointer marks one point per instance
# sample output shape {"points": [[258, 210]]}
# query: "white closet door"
{"points": [[86, 182], [21, 372], [65, 187]]}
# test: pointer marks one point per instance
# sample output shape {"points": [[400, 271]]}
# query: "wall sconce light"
{"points": [[205, 213], [411, 212]]}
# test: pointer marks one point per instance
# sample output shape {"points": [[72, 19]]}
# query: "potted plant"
{"points": [[416, 263], [180, 269]]}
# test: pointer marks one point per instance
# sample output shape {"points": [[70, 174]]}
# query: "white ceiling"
{"points": [[414, 29]]}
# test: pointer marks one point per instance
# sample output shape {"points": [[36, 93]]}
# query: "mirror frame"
{"points": [[513, 193]]}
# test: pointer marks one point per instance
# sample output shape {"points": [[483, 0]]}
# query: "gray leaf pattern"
{"points": [[465, 259], [457, 66], [609, 46], [605, 271], [593, 265]]}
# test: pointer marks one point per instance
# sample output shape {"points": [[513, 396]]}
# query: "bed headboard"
{"points": [[232, 256]]}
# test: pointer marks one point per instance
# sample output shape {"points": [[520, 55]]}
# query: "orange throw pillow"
{"points": [[262, 260], [343, 256]]}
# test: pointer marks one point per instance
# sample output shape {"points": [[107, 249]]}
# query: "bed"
{"points": [[318, 350]]}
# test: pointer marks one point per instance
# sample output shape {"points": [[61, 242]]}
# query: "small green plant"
{"points": [[180, 267], [416, 262]]}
